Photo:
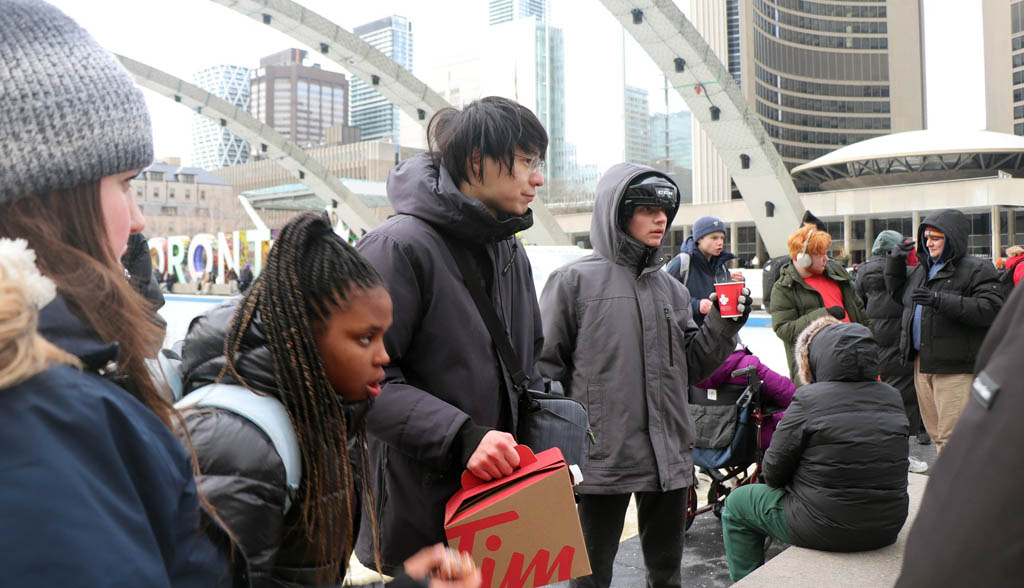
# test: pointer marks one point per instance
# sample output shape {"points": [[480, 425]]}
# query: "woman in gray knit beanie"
{"points": [[102, 483]]}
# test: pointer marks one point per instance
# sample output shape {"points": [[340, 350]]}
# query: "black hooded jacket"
{"points": [[841, 450], [885, 314], [968, 295], [444, 377]]}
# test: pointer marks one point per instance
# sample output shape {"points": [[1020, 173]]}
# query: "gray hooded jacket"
{"points": [[620, 337], [444, 370]]}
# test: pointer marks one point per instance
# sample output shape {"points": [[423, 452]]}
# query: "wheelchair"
{"points": [[728, 448]]}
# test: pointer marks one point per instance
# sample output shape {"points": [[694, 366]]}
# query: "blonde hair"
{"points": [[1014, 251], [818, 241], [23, 351]]}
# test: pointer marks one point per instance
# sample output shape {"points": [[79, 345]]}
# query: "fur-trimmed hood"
{"points": [[844, 352]]}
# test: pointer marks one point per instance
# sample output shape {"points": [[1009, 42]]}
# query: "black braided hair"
{"points": [[310, 273]]}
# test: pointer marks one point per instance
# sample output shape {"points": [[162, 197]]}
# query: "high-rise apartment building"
{"points": [[637, 125], [819, 75], [212, 145], [1003, 30], [500, 11], [298, 101], [376, 117]]}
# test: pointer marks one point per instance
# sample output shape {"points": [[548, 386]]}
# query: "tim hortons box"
{"points": [[521, 530]]}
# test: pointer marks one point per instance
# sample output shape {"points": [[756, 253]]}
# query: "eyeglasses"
{"points": [[532, 163]]}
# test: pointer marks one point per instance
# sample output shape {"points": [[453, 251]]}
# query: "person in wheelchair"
{"points": [[836, 470], [776, 389]]}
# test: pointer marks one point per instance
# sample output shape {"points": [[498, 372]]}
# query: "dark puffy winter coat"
{"points": [[841, 450], [702, 275], [974, 490], [796, 305], [968, 294], [242, 474], [96, 489], [444, 374], [885, 315], [619, 337]]}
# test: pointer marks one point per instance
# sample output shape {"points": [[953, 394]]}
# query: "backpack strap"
{"points": [[684, 267], [266, 412]]}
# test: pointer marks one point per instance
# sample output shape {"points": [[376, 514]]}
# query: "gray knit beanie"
{"points": [[69, 112]]}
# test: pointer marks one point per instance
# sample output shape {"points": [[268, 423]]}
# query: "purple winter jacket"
{"points": [[777, 389]]}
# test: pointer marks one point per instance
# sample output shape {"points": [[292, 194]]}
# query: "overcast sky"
{"points": [[184, 36]]}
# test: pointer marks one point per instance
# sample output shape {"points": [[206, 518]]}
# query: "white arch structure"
{"points": [[661, 28], [263, 138], [384, 74]]}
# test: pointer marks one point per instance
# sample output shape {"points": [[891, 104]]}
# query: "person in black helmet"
{"points": [[619, 336]]}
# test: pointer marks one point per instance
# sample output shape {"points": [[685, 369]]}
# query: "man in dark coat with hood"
{"points": [[836, 470], [447, 404], [949, 301], [702, 262]]}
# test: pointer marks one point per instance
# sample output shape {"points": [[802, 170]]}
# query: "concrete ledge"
{"points": [[797, 567]]}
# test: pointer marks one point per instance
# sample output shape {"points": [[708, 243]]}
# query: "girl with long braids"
{"points": [[309, 333], [97, 491]]}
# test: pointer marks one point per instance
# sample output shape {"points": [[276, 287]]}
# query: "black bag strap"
{"points": [[472, 279]]}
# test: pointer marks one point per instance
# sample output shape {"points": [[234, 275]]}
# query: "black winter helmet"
{"points": [[648, 190]]}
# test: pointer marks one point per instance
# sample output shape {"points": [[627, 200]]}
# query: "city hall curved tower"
{"points": [[819, 75], [823, 74]]}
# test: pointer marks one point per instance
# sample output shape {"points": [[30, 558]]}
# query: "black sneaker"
{"points": [[923, 438]]}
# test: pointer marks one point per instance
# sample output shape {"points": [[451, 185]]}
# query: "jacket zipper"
{"points": [[668, 323]]}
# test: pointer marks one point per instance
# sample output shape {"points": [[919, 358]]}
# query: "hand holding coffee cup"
{"points": [[733, 300]]}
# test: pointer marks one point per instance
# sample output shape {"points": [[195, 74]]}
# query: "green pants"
{"points": [[751, 513]]}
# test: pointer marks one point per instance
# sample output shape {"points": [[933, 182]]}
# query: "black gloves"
{"points": [[925, 297], [903, 249], [744, 304], [836, 311]]}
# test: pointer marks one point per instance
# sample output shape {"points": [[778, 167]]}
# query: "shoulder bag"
{"points": [[545, 420]]}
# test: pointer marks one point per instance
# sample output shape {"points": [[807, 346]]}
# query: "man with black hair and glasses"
{"points": [[619, 336], [447, 404]]}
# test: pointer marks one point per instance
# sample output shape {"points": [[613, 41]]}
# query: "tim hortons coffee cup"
{"points": [[728, 298]]}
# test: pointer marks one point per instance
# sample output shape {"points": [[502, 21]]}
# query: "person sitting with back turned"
{"points": [[836, 470]]}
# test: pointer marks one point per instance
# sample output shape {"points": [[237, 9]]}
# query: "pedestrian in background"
{"points": [[885, 314], [949, 301], [811, 286], [703, 261]]}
